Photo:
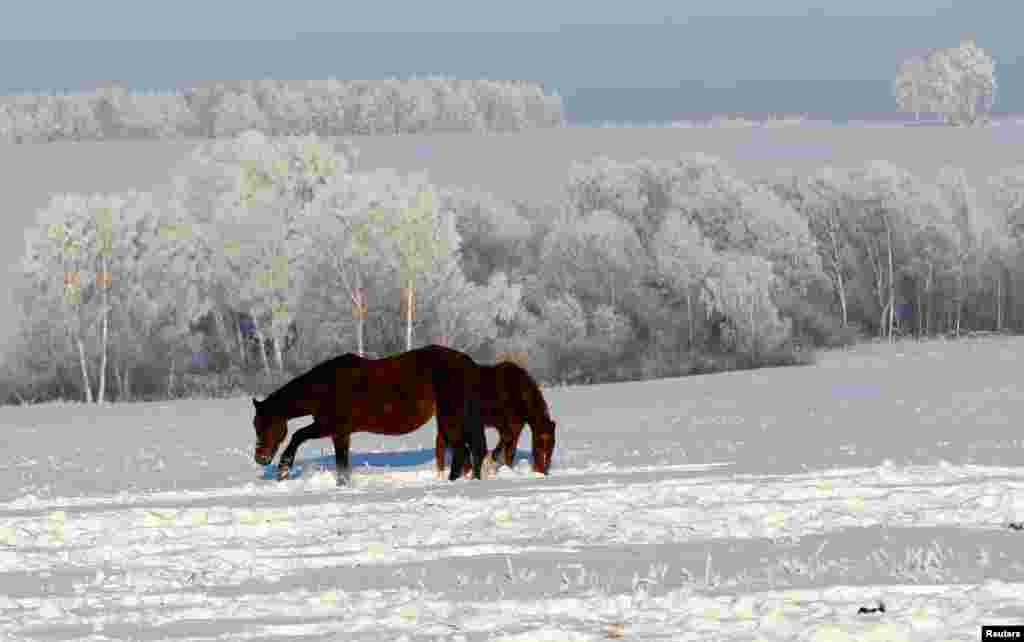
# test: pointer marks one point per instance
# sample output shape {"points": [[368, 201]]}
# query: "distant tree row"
{"points": [[699, 259], [957, 84], [271, 241], [322, 107], [265, 255]]}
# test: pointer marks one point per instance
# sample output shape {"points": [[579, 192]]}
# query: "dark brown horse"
{"points": [[390, 396], [509, 398]]}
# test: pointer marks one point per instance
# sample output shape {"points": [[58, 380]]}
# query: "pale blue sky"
{"points": [[230, 19]]}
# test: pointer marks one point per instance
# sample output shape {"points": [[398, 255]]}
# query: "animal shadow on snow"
{"points": [[396, 459]]}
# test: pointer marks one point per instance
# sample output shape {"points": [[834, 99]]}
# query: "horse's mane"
{"points": [[316, 372]]}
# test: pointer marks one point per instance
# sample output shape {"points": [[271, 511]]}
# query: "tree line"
{"points": [[324, 107], [267, 255]]}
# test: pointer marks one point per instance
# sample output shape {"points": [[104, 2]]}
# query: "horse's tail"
{"points": [[473, 421]]}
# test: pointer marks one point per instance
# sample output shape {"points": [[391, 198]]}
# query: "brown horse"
{"points": [[509, 398], [390, 396]]}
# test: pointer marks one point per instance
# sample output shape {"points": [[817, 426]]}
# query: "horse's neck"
{"points": [[536, 404], [540, 413], [289, 409]]}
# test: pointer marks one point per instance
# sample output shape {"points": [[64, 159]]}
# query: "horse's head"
{"points": [[543, 438], [270, 432]]}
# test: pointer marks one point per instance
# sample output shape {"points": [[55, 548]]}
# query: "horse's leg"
{"points": [[495, 454], [475, 435], [439, 448], [466, 460], [508, 445], [488, 465], [505, 432], [504, 452], [342, 439], [446, 426], [315, 430], [458, 461], [467, 467], [512, 445], [459, 418]]}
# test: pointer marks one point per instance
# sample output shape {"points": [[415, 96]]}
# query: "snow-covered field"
{"points": [[764, 505]]}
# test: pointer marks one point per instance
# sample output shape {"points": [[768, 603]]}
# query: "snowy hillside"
{"points": [[771, 505]]}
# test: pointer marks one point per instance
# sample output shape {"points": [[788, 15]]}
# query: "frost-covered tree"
{"points": [[566, 319], [371, 230], [344, 224], [48, 117], [84, 253], [740, 287], [1008, 198], [160, 114], [604, 184], [71, 117], [501, 105], [247, 198], [684, 257], [236, 113], [12, 122], [467, 314], [826, 207], [730, 214], [971, 225], [959, 83], [413, 106], [366, 110], [542, 109], [933, 250], [421, 235], [150, 114], [457, 109], [1008, 201], [910, 86], [60, 259], [491, 231], [736, 216], [969, 72], [287, 109], [597, 256], [612, 329], [899, 222], [328, 105]]}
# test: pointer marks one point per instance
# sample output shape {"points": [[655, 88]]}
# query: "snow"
{"points": [[658, 522]]}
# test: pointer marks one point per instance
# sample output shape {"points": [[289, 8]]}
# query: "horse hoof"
{"points": [[489, 468], [282, 473]]}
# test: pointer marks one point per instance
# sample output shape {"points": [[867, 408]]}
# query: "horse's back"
{"points": [[513, 379], [444, 356], [406, 372], [314, 388]]}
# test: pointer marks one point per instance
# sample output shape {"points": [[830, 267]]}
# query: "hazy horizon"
{"points": [[660, 65]]}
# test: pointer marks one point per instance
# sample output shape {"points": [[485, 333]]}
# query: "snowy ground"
{"points": [[764, 505]]}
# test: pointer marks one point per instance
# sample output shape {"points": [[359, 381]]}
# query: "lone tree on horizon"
{"points": [[958, 84]]}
